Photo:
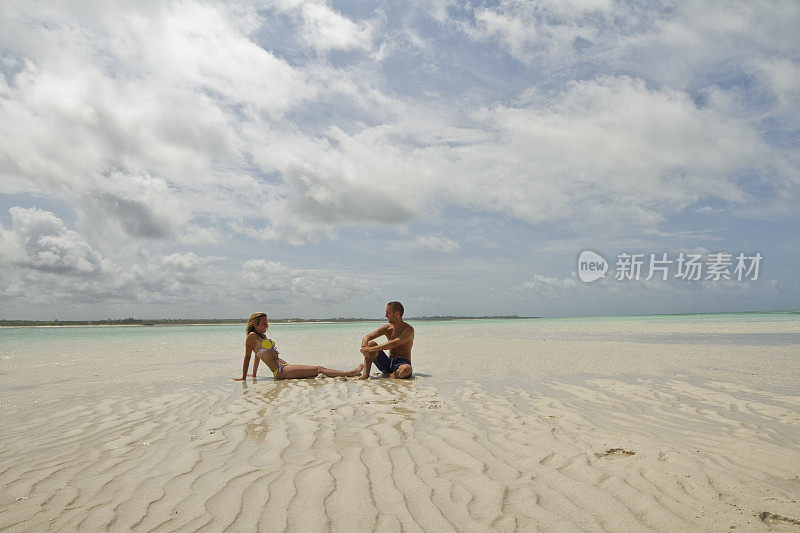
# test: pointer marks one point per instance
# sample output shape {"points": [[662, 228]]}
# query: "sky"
{"points": [[318, 159]]}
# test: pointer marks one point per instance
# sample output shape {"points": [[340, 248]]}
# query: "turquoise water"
{"points": [[758, 348], [789, 316]]}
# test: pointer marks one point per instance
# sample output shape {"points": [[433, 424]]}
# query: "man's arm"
{"points": [[406, 336], [374, 335]]}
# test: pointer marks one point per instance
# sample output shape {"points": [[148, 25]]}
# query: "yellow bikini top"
{"points": [[267, 343]]}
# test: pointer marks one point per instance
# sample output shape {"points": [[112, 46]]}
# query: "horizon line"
{"points": [[147, 321]]}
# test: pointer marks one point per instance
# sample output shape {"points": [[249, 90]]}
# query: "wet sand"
{"points": [[558, 452]]}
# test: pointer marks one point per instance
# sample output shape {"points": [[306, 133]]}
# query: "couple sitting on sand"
{"points": [[400, 337]]}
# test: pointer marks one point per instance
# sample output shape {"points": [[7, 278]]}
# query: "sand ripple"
{"points": [[329, 454]]}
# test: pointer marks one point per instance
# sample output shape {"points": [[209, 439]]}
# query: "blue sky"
{"points": [[318, 159]]}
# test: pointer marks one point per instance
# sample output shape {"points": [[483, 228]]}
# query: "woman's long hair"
{"points": [[255, 318]]}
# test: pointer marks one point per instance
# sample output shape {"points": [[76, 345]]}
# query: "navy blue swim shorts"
{"points": [[387, 365]]}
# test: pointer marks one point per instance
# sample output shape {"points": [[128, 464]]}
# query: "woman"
{"points": [[258, 343]]}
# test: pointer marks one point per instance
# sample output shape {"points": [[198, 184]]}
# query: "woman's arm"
{"points": [[247, 350], [256, 360]]}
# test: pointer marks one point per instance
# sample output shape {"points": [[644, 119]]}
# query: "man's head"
{"points": [[394, 312]]}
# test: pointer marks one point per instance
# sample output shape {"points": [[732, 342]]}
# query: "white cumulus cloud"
{"points": [[324, 29], [39, 240]]}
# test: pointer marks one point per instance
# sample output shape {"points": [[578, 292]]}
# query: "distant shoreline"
{"points": [[135, 322]]}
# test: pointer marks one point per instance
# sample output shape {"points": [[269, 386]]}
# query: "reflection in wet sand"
{"points": [[630, 453]]}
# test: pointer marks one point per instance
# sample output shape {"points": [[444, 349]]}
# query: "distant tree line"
{"points": [[130, 321]]}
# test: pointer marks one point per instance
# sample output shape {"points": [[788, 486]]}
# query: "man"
{"points": [[400, 337]]}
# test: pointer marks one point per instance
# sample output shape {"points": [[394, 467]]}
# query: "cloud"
{"points": [[44, 261], [780, 79], [541, 30], [163, 125], [145, 133], [266, 275], [555, 296], [607, 149], [613, 140], [39, 240], [426, 302], [202, 128], [546, 284], [336, 180], [435, 243], [57, 269], [328, 288], [140, 206], [186, 117], [308, 285], [324, 30], [188, 262], [679, 44]]}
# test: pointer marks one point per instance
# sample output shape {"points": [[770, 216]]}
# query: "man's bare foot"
{"points": [[356, 371], [364, 377]]}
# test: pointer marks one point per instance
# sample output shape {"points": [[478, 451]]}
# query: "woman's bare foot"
{"points": [[356, 371]]}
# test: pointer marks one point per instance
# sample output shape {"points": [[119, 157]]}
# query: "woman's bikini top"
{"points": [[266, 344]]}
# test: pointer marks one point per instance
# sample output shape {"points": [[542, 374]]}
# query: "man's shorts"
{"points": [[387, 365]]}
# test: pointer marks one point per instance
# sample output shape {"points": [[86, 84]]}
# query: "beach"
{"points": [[666, 423]]}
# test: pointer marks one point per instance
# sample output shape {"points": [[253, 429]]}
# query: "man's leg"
{"points": [[380, 359], [402, 372], [368, 358]]}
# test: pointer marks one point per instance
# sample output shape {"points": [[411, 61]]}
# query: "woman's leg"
{"points": [[299, 371], [341, 373], [309, 371]]}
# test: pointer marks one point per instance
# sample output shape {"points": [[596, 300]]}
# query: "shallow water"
{"points": [[470, 349]]}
